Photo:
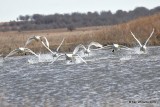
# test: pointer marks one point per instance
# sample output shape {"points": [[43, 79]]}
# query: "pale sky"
{"points": [[11, 9]]}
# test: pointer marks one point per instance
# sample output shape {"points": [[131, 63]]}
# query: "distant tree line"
{"points": [[74, 20]]}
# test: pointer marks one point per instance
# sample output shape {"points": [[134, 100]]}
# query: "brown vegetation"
{"points": [[141, 27]]}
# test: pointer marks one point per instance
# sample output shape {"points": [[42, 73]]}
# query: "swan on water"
{"points": [[88, 49], [71, 56], [37, 38], [21, 50], [116, 47], [56, 53], [143, 47]]}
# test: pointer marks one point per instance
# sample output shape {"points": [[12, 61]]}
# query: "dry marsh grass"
{"points": [[141, 27]]}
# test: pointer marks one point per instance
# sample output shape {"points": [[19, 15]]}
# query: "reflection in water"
{"points": [[107, 80]]}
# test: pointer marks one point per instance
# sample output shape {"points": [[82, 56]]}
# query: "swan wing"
{"points": [[47, 48], [96, 44], [108, 47], [136, 39], [81, 58], [11, 53], [77, 48], [46, 41], [125, 47], [29, 50], [57, 58], [149, 37], [60, 45], [29, 40]]}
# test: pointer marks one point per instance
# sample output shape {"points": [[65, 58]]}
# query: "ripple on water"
{"points": [[109, 79]]}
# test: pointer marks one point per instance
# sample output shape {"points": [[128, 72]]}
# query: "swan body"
{"points": [[143, 47], [21, 50]]}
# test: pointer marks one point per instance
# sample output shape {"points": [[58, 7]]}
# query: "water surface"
{"points": [[119, 79]]}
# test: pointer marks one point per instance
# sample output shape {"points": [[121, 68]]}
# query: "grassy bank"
{"points": [[120, 34]]}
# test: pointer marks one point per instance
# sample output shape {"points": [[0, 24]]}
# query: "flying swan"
{"points": [[116, 47], [54, 54], [143, 47], [88, 49], [21, 50], [71, 56], [37, 38]]}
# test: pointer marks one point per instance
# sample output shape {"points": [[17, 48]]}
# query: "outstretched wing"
{"points": [[57, 58], [48, 48], [46, 41], [96, 44], [136, 39], [78, 48], [29, 50], [60, 45], [124, 47], [81, 58], [149, 37], [11, 53], [29, 41], [108, 47]]}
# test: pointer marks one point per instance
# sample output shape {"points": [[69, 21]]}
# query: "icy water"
{"points": [[120, 79]]}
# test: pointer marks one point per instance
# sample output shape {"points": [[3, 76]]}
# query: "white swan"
{"points": [[88, 49], [143, 47], [37, 38], [71, 56], [116, 47], [54, 54], [21, 50]]}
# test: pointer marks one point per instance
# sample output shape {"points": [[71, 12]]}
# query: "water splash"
{"points": [[42, 58], [45, 58], [77, 61], [124, 58], [136, 50], [32, 61]]}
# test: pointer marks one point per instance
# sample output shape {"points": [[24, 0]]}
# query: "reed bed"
{"points": [[141, 27]]}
